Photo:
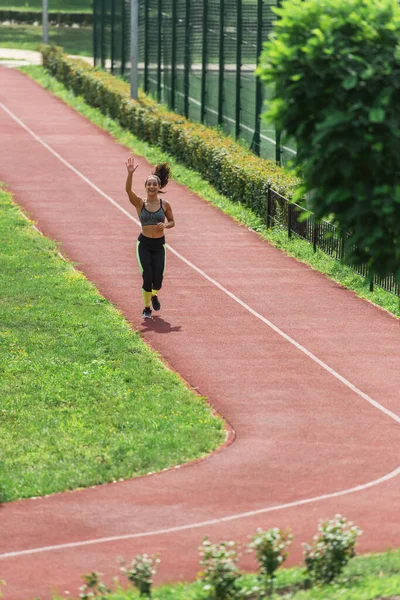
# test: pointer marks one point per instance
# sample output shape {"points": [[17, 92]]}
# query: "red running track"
{"points": [[312, 438]]}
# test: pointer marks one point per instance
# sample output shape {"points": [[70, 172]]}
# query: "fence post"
{"points": [[146, 46], [238, 64], [103, 34], [123, 41], [173, 54], [187, 60], [278, 153], [221, 62], [95, 5], [258, 107], [314, 234], [159, 47], [289, 219], [341, 257], [204, 61], [112, 36], [269, 205]]}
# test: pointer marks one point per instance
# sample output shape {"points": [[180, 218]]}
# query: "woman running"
{"points": [[151, 242]]}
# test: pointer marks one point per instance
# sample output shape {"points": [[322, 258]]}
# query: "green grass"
{"points": [[294, 247], [29, 37], [83, 399], [364, 578], [54, 5]]}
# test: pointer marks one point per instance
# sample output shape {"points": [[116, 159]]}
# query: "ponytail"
{"points": [[163, 172]]}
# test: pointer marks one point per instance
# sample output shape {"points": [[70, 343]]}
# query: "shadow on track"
{"points": [[159, 325]]}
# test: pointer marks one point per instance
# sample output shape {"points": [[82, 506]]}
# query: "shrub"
{"points": [[220, 571], [332, 548], [335, 65], [94, 587], [141, 571], [270, 548], [232, 169]]}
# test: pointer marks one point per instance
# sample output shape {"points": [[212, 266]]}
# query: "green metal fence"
{"points": [[281, 212], [198, 57]]}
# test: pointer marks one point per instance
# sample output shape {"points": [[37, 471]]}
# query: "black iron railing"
{"points": [[321, 234]]}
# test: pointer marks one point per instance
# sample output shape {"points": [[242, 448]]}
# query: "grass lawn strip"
{"points": [[54, 5], [83, 400], [294, 247], [365, 578], [29, 37]]}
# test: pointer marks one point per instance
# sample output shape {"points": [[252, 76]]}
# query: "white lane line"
{"points": [[292, 341], [169, 530], [347, 383]]}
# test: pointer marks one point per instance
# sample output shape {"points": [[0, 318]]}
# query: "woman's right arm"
{"points": [[134, 198]]}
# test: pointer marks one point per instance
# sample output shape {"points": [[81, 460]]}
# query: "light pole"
{"points": [[134, 48], [45, 21]]}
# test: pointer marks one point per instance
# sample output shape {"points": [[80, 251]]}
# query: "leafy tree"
{"points": [[335, 65]]}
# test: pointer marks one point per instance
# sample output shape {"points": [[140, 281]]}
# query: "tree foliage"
{"points": [[335, 65]]}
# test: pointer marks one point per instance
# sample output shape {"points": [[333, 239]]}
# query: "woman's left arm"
{"points": [[169, 215]]}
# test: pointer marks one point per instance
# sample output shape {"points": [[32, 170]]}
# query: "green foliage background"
{"points": [[336, 68]]}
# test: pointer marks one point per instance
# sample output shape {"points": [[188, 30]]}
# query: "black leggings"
{"points": [[151, 257]]}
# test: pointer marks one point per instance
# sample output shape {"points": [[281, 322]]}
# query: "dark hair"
{"points": [[163, 172]]}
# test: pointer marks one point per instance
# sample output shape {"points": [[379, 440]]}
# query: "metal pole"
{"points": [[134, 48], [112, 36], [278, 154], [146, 45], [269, 205], [45, 21], [238, 64], [221, 62], [204, 61], [278, 147], [159, 50], [103, 33], [259, 96], [314, 234], [122, 37], [289, 218], [173, 53], [187, 61], [95, 32]]}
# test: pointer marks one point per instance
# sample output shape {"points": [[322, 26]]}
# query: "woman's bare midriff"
{"points": [[151, 231]]}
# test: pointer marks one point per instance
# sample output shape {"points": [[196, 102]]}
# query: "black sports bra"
{"points": [[152, 218]]}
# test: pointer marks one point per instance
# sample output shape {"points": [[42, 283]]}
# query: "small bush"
{"points": [[141, 571], [270, 548], [220, 571], [94, 587], [234, 170], [332, 548]]}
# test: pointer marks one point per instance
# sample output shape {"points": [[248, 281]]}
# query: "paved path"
{"points": [[306, 373], [15, 57]]}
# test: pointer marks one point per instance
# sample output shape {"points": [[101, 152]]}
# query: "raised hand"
{"points": [[130, 165]]}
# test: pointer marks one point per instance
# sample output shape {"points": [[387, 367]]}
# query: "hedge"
{"points": [[232, 169]]}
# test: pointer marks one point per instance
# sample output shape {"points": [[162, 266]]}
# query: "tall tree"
{"points": [[335, 65]]}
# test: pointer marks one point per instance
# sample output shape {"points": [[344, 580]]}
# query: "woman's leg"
{"points": [[158, 263], [145, 264]]}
